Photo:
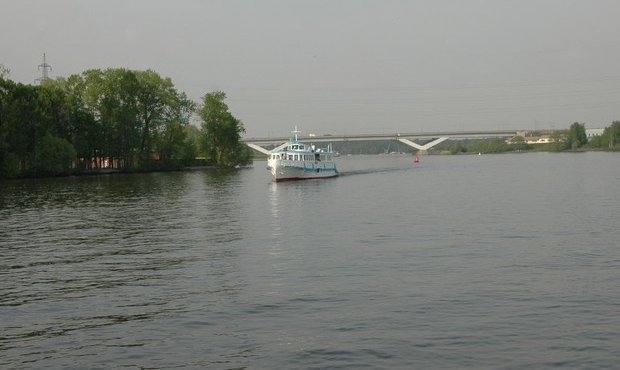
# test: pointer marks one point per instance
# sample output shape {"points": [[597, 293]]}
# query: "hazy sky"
{"points": [[344, 66]]}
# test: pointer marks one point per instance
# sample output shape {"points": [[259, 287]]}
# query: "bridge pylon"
{"points": [[423, 149]]}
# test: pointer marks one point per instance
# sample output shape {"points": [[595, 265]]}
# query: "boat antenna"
{"points": [[295, 132]]}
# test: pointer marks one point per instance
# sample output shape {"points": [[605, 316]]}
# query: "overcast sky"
{"points": [[344, 66]]}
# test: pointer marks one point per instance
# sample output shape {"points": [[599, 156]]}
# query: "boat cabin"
{"points": [[302, 152], [297, 147]]}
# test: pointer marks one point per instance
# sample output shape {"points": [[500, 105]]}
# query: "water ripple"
{"points": [[459, 262]]}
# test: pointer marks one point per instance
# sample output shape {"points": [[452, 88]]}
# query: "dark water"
{"points": [[497, 262]]}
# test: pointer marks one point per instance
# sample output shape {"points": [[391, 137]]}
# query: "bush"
{"points": [[54, 156], [9, 166]]}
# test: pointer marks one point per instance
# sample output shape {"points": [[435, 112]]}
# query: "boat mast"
{"points": [[295, 132]]}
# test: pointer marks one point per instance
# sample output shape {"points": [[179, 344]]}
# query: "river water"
{"points": [[480, 262]]}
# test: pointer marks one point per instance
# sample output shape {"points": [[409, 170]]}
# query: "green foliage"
{"points": [[611, 137], [115, 117], [614, 135], [560, 141], [191, 144], [576, 136], [53, 156], [222, 133], [490, 146], [4, 144], [9, 165], [609, 140], [457, 147], [138, 116], [519, 144], [137, 120], [18, 117]]}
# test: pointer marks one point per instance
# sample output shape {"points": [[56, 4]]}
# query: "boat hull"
{"points": [[301, 171]]}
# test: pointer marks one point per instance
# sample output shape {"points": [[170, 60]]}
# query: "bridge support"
{"points": [[266, 151], [258, 148], [423, 149]]}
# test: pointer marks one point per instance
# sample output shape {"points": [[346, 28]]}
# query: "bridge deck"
{"points": [[395, 136]]}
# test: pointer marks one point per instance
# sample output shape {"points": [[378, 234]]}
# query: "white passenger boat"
{"points": [[300, 161]]}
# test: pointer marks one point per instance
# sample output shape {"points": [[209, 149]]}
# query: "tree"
{"points": [[489, 146], [128, 118], [457, 147], [154, 95], [576, 136], [5, 87], [54, 156], [560, 140], [614, 132], [192, 144], [84, 128], [222, 132], [171, 141], [20, 121], [610, 138], [518, 143]]}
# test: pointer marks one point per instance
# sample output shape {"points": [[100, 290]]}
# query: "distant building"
{"points": [[538, 140], [535, 137], [592, 132]]}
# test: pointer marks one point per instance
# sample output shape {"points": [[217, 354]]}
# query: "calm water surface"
{"points": [[498, 262]]}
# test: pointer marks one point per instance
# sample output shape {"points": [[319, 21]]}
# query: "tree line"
{"points": [[572, 139], [116, 119], [126, 120]]}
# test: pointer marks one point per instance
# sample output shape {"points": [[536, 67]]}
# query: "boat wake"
{"points": [[369, 171]]}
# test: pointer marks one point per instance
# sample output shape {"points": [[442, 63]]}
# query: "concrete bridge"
{"points": [[406, 138]]}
